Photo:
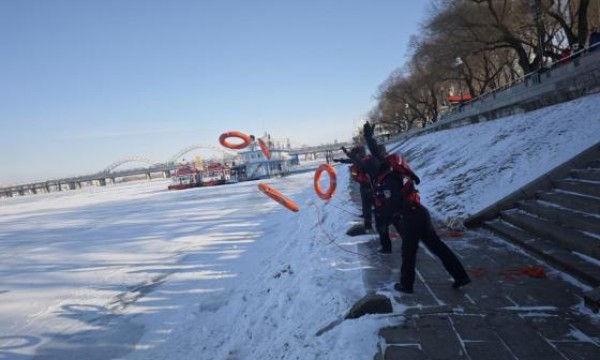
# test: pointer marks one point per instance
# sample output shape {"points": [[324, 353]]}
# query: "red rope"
{"points": [[531, 271], [478, 272], [512, 273]]}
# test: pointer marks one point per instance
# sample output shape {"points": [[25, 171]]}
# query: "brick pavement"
{"points": [[503, 314]]}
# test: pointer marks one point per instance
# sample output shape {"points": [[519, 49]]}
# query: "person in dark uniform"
{"points": [[366, 196], [400, 169], [395, 199], [361, 163]]}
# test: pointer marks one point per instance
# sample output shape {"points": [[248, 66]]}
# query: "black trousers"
{"points": [[382, 223], [413, 226], [366, 199]]}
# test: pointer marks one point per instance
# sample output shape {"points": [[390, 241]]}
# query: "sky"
{"points": [[134, 271], [87, 83]]}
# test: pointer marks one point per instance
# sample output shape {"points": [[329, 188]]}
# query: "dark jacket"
{"points": [[392, 180], [359, 175]]}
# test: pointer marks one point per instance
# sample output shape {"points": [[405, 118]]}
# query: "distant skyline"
{"points": [[87, 83]]}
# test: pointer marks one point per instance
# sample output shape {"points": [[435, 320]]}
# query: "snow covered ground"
{"points": [[469, 168], [134, 271], [208, 273]]}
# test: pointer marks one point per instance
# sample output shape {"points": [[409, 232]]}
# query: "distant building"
{"points": [[208, 174], [254, 164], [457, 100]]}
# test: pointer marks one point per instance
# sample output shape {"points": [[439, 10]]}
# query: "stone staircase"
{"points": [[557, 218]]}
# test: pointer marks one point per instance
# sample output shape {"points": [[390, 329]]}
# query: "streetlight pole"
{"points": [[458, 63], [460, 84], [540, 35], [598, 9]]}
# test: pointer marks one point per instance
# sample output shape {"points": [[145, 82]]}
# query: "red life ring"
{"points": [[264, 148], [240, 135], [277, 196], [332, 181]]}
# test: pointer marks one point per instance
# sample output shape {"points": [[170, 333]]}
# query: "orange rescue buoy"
{"points": [[236, 134], [264, 148], [277, 196], [325, 195]]}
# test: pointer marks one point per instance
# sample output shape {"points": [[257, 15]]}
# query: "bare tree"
{"points": [[473, 46], [571, 17]]}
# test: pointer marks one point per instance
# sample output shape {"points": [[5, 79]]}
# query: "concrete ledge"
{"points": [[573, 201], [592, 299], [589, 188], [542, 183], [564, 83], [586, 174], [548, 251], [567, 238], [562, 216]]}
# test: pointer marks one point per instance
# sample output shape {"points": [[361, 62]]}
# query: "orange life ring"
{"points": [[277, 196], [332, 181], [240, 135], [264, 148]]}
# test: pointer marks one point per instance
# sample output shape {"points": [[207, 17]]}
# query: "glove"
{"points": [[416, 179], [343, 161], [368, 130]]}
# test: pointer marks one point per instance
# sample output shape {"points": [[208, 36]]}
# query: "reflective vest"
{"points": [[394, 188], [359, 176]]}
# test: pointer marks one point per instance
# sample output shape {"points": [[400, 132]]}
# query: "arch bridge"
{"points": [[180, 153], [109, 174], [126, 160]]}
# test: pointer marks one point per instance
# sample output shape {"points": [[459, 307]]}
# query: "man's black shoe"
{"points": [[461, 282], [403, 289], [384, 251]]}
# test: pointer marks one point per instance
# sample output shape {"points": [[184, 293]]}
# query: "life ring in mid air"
{"points": [[264, 148], [236, 134], [277, 196], [325, 195]]}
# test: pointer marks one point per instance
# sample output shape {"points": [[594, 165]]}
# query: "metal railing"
{"points": [[532, 75], [570, 78]]}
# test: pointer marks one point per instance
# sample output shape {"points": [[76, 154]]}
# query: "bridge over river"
{"points": [[155, 168]]}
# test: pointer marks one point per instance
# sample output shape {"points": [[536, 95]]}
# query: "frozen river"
{"points": [[110, 272], [137, 271]]}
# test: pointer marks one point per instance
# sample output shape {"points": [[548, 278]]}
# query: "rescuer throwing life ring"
{"points": [[325, 195], [277, 196], [236, 134]]}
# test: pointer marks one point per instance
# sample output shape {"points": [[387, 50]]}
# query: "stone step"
{"points": [[586, 174], [590, 188], [556, 256], [591, 299], [562, 216], [595, 164], [576, 202], [569, 239]]}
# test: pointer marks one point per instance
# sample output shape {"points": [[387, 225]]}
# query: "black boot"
{"points": [[403, 289], [461, 282]]}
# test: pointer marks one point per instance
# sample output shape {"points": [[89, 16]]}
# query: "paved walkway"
{"points": [[504, 314]]}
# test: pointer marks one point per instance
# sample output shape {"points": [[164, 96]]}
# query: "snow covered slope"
{"points": [[466, 169]]}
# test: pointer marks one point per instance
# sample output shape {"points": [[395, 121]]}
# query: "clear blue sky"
{"points": [[87, 83]]}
